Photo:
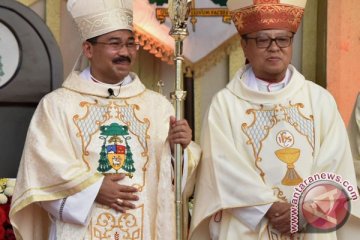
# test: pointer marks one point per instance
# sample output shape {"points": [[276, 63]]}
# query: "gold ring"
{"points": [[119, 201]]}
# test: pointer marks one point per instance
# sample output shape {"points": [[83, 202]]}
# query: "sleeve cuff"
{"points": [[75, 208], [250, 216]]}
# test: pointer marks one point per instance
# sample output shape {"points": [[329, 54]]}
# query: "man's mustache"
{"points": [[121, 59]]}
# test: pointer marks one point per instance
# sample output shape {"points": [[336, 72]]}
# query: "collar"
{"points": [[240, 88], [257, 84], [82, 83], [86, 74]]}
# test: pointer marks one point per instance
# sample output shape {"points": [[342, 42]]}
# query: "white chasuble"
{"points": [[118, 142], [77, 135], [258, 146], [282, 141]]}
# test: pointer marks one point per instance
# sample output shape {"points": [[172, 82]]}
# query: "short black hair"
{"points": [[92, 40]]}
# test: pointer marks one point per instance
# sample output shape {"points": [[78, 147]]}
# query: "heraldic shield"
{"points": [[116, 155], [115, 151]]}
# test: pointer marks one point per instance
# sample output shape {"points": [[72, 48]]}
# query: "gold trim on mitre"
{"points": [[94, 17], [255, 15]]}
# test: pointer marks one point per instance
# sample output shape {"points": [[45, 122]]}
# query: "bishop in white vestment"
{"points": [[101, 128], [268, 132]]}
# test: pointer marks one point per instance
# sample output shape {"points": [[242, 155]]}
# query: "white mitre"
{"points": [[97, 17]]}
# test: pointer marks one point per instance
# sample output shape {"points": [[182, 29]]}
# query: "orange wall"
{"points": [[343, 49]]}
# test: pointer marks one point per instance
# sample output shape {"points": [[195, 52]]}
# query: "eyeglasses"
{"points": [[265, 42], [116, 46]]}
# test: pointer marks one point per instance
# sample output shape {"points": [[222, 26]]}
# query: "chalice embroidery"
{"points": [[289, 156]]}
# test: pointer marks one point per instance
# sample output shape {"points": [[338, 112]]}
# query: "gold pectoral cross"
{"points": [[162, 14]]}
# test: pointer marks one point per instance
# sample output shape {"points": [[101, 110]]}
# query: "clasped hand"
{"points": [[279, 216], [116, 196]]}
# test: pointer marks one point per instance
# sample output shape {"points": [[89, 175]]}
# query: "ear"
{"points": [[87, 49], [243, 46]]}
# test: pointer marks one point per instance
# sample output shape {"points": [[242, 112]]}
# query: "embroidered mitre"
{"points": [[255, 15], [97, 17]]}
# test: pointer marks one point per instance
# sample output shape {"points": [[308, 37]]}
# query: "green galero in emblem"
{"points": [[115, 152]]}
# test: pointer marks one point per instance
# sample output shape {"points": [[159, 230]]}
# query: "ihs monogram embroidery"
{"points": [[265, 119], [289, 156], [114, 154]]}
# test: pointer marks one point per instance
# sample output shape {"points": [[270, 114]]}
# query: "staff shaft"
{"points": [[178, 12]]}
